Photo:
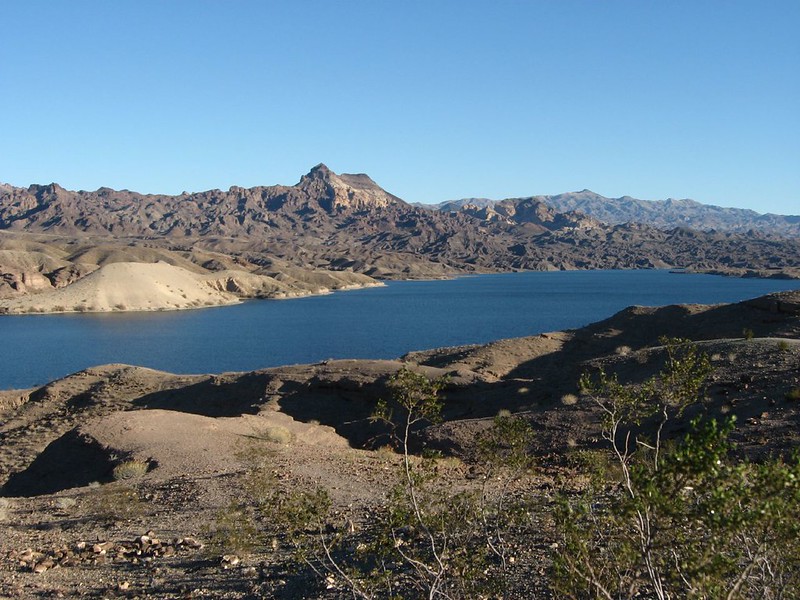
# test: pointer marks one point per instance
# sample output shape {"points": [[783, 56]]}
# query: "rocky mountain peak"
{"points": [[318, 172], [345, 191]]}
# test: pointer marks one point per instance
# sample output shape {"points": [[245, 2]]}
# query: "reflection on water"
{"points": [[383, 322]]}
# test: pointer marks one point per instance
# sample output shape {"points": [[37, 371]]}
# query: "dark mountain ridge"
{"points": [[349, 222]]}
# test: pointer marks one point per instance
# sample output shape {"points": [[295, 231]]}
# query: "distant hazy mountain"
{"points": [[663, 214], [345, 221]]}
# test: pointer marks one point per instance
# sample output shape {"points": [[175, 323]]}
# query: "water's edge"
{"points": [[370, 323]]}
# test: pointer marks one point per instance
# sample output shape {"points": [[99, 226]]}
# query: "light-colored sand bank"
{"points": [[125, 287], [129, 286]]}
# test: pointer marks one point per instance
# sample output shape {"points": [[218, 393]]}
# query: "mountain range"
{"points": [[663, 214], [348, 222]]}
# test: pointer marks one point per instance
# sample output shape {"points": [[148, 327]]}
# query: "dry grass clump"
{"points": [[449, 463], [569, 399], [130, 469], [623, 350], [386, 452], [276, 434], [65, 503]]}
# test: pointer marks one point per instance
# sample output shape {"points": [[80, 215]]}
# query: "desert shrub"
{"points": [[386, 453], [236, 528], [130, 469], [747, 333], [682, 520], [783, 345], [793, 394], [233, 531], [428, 540], [258, 482], [593, 467], [503, 452]]}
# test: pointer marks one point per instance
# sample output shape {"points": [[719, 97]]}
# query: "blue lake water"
{"points": [[381, 322]]}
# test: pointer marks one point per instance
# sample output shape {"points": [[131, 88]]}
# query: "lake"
{"points": [[383, 322]]}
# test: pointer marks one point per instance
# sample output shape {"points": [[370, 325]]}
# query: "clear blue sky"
{"points": [[435, 99]]}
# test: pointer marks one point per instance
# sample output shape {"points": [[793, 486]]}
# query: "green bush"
{"points": [[685, 520], [234, 531]]}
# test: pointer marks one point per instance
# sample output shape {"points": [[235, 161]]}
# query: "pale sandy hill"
{"points": [[114, 253], [125, 286]]}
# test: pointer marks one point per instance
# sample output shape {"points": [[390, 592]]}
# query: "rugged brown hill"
{"points": [[348, 222], [237, 212]]}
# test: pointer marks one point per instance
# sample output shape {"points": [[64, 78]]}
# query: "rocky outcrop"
{"points": [[23, 282]]}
